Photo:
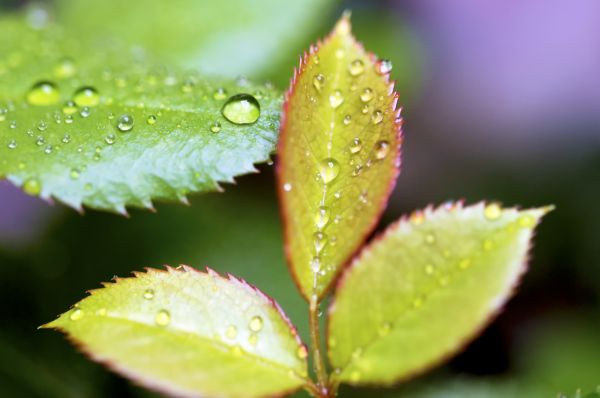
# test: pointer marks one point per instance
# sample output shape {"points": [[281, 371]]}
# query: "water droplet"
{"points": [[320, 240], [231, 332], [125, 123], [302, 352], [363, 197], [381, 149], [315, 264], [492, 211], [241, 109], [12, 144], [318, 81], [43, 93], [384, 66], [253, 339], [85, 112], [48, 150], [74, 174], [356, 67], [162, 318], [149, 294], [322, 217], [365, 109], [329, 169], [151, 120], [220, 94], [32, 186], [355, 146], [76, 315], [347, 120], [101, 312], [110, 139], [287, 187], [187, 86], [215, 127], [64, 69], [256, 323], [357, 170], [39, 141], [377, 117], [366, 95], [68, 119], [86, 96], [336, 99]]}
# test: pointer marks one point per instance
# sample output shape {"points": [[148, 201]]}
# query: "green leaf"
{"points": [[424, 288], [225, 37], [189, 333], [338, 156], [144, 132]]}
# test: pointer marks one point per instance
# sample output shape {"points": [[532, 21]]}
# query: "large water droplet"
{"points": [[43, 93], [86, 96], [125, 123], [377, 117], [256, 323], [241, 109], [329, 169], [162, 318], [356, 67], [366, 95], [336, 99]]}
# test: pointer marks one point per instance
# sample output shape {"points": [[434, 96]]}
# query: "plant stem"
{"points": [[315, 342]]}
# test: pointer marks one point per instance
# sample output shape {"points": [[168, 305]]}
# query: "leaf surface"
{"points": [[189, 333], [338, 156], [228, 37], [424, 288], [134, 133]]}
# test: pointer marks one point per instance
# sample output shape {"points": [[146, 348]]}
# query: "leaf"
{"points": [[225, 37], [338, 156], [189, 333], [143, 132], [422, 290]]}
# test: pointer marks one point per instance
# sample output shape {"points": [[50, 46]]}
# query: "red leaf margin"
{"points": [[383, 201]]}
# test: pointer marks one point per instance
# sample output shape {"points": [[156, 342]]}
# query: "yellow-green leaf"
{"points": [[424, 288], [338, 156], [189, 334]]}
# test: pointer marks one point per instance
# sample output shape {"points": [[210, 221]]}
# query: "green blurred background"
{"points": [[501, 101]]}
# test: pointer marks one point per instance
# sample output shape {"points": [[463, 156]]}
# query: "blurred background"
{"points": [[501, 101]]}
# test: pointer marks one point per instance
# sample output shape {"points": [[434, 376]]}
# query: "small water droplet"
{"points": [[366, 95], [365, 109], [253, 339], [287, 187], [322, 217], [318, 81], [231, 332], [377, 117], [220, 94], [76, 315], [149, 294], [187, 86], [384, 66], [215, 127], [125, 123], [12, 144], [43, 93], [86, 96], [492, 211], [381, 149], [256, 323], [39, 141], [32, 186], [357, 170], [68, 119], [315, 264], [64, 69], [162, 318], [48, 150], [356, 67], [329, 169], [74, 174], [302, 352], [85, 112], [110, 139], [241, 109], [355, 146], [347, 120], [151, 120], [319, 240], [336, 99]]}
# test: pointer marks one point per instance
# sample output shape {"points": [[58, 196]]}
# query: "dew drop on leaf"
{"points": [[366, 95], [110, 139], [64, 69], [329, 169], [356, 67], [320, 240], [355, 146], [287, 187], [12, 144], [492, 211], [86, 96], [377, 117], [74, 174], [149, 294], [215, 127], [318, 81], [381, 149], [347, 120], [151, 120], [241, 109], [322, 217], [125, 123], [43, 93], [231, 332], [85, 112], [336, 99], [256, 323], [302, 352], [162, 318], [76, 315], [220, 94], [384, 66]]}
